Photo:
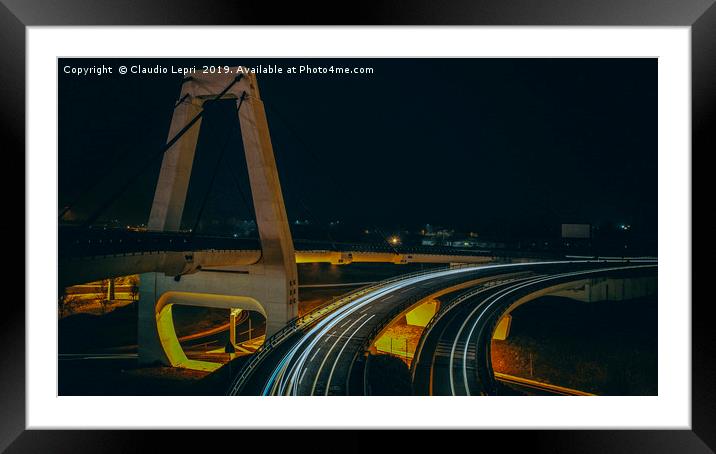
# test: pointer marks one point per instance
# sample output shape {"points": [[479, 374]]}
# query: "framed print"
{"points": [[442, 218]]}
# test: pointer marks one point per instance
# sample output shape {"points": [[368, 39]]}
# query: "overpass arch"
{"points": [[165, 322], [587, 290]]}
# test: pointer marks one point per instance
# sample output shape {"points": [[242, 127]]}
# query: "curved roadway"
{"points": [[326, 357], [455, 357]]}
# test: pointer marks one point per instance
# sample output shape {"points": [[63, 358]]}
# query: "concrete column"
{"points": [[232, 325], [173, 182], [110, 290], [150, 347], [502, 330], [273, 281], [279, 258]]}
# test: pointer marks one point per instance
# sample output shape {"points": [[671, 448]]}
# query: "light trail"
{"points": [[285, 378], [351, 308], [328, 354], [494, 299], [325, 357], [464, 323], [323, 326], [279, 372], [509, 279], [335, 362], [321, 329]]}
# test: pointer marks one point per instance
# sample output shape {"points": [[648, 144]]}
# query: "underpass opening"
{"points": [[175, 354], [558, 350], [98, 297], [213, 334], [401, 337]]}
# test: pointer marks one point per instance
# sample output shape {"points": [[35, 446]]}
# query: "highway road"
{"points": [[325, 357], [454, 357]]}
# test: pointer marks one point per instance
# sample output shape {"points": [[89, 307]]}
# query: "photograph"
{"points": [[384, 226], [466, 218]]}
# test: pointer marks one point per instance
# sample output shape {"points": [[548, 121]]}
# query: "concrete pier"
{"points": [[270, 285]]}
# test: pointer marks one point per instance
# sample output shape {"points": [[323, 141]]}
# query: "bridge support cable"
{"points": [[93, 217], [316, 220], [383, 238], [296, 195], [229, 135], [110, 168], [183, 98], [248, 203]]}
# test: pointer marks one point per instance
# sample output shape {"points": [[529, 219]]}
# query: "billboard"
{"points": [[576, 230]]}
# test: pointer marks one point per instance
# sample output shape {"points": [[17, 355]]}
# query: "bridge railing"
{"points": [[95, 242], [299, 323], [77, 241]]}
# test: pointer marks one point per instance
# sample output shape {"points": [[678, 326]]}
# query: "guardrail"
{"points": [[77, 241], [97, 242], [298, 323]]}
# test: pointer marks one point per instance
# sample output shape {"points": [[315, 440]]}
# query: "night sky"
{"points": [[490, 145]]}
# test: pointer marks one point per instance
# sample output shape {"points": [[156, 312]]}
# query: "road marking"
{"points": [[335, 362], [323, 326], [316, 333], [312, 336], [497, 297], [314, 355], [364, 297], [325, 358], [457, 338]]}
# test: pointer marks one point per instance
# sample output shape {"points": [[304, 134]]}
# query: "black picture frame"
{"points": [[16, 15]]}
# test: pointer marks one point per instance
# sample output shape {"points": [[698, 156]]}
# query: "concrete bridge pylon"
{"points": [[272, 281]]}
